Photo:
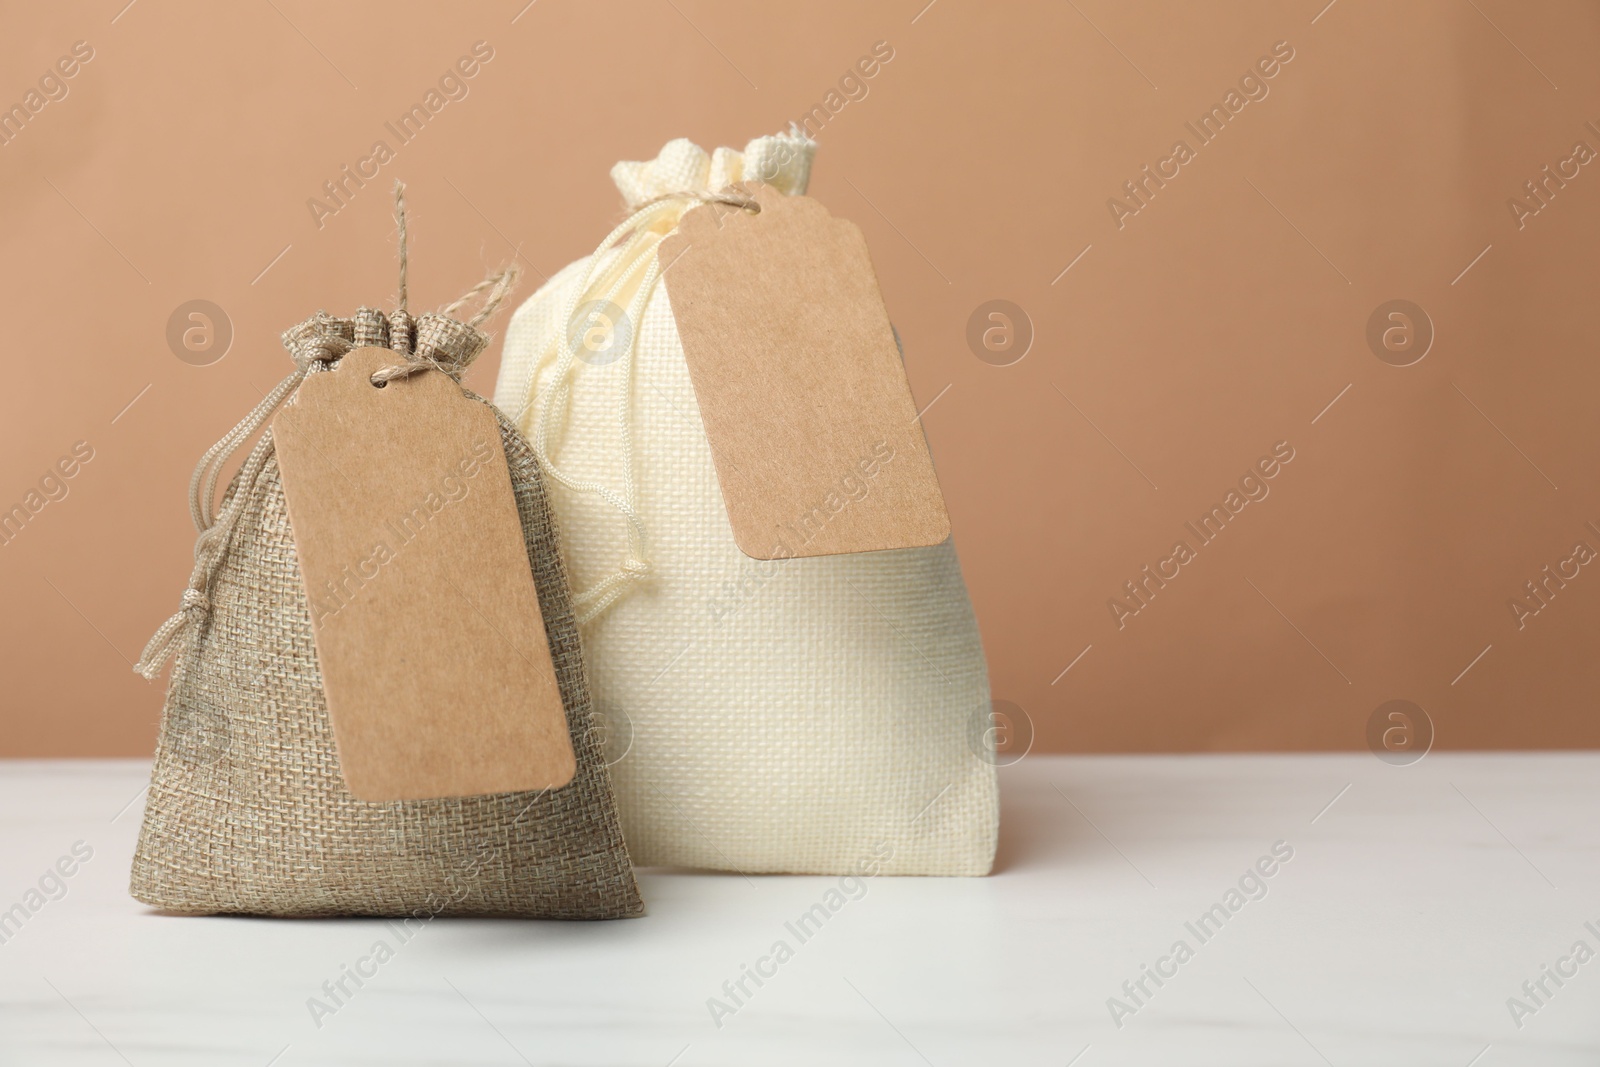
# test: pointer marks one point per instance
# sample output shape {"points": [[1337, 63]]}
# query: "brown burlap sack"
{"points": [[247, 810]]}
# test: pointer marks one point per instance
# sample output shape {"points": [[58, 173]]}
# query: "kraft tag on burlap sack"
{"points": [[434, 656], [815, 435]]}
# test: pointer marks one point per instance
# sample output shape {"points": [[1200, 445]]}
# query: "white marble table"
{"points": [[1416, 902]]}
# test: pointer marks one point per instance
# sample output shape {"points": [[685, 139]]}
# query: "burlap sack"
{"points": [[247, 811], [789, 716]]}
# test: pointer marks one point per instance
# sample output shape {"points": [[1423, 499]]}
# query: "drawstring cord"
{"points": [[613, 267], [216, 530]]}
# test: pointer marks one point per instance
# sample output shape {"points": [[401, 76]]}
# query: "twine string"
{"points": [[316, 351]]}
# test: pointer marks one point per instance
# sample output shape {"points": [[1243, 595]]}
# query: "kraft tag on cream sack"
{"points": [[434, 656], [733, 672], [811, 422]]}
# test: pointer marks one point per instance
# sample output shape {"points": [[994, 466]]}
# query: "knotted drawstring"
{"points": [[433, 341], [626, 250], [499, 286]]}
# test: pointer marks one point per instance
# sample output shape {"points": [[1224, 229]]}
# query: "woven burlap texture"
{"points": [[795, 716], [247, 811]]}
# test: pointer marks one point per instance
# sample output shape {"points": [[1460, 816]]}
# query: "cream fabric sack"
{"points": [[803, 716]]}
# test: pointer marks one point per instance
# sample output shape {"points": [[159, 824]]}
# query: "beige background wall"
{"points": [[1221, 318]]}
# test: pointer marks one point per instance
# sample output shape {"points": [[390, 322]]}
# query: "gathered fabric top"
{"points": [[782, 161]]}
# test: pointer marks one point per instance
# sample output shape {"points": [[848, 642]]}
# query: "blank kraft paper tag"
{"points": [[433, 653], [800, 383]]}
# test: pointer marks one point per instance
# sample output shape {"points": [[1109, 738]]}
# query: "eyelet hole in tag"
{"points": [[433, 653], [810, 418]]}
